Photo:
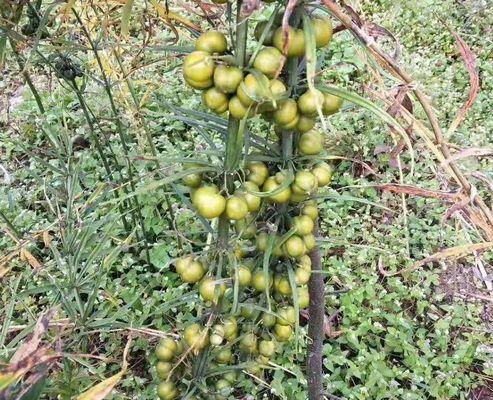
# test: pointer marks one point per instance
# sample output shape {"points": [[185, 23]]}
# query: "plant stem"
{"points": [[316, 326], [27, 77], [131, 180], [150, 143], [10, 225], [231, 146], [99, 149], [316, 283]]}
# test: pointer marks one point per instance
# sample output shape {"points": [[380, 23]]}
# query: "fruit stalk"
{"points": [[232, 146]]}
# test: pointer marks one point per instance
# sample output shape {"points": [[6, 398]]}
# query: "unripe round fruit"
{"points": [[212, 42], [302, 276], [193, 272], [310, 211], [291, 125], [305, 262], [280, 176], [248, 311], [231, 376], [216, 100], [215, 340], [303, 297], [311, 143], [217, 334], [323, 173], [310, 241], [224, 389], [253, 89], [295, 42], [240, 251], [282, 286], [207, 289], [294, 247], [253, 202], [323, 31], [305, 124], [268, 320], [236, 208], [268, 61], [167, 391], [230, 327], [259, 30], [192, 180], [278, 91], [305, 182], [182, 263], [179, 347], [255, 369], [248, 343], [286, 113], [258, 172], [332, 104], [199, 85], [224, 355], [278, 88], [298, 197], [196, 337], [238, 110], [244, 276], [198, 66], [163, 369], [307, 103], [262, 239], [286, 316], [271, 185], [165, 350], [259, 282], [227, 78], [283, 332], [303, 224], [208, 203], [267, 348]]}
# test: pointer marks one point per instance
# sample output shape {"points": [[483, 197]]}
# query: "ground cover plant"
{"points": [[242, 200]]}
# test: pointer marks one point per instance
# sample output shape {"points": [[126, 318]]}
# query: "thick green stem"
{"points": [[232, 147], [27, 77]]}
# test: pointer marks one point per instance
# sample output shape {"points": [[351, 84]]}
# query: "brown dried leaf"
{"points": [[417, 191], [32, 342], [102, 389], [15, 371], [27, 256], [47, 239], [29, 382], [472, 152], [471, 65]]}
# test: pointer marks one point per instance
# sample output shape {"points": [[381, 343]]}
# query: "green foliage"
{"points": [[396, 338]]}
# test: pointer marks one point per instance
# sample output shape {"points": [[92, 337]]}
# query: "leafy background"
{"points": [[421, 335]]}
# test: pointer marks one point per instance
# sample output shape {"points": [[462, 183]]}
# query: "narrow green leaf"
{"points": [[126, 14], [384, 116]]}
